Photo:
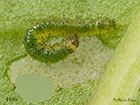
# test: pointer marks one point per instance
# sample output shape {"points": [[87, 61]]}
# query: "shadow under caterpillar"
{"points": [[37, 38]]}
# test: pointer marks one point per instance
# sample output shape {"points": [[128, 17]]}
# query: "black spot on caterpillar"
{"points": [[37, 38]]}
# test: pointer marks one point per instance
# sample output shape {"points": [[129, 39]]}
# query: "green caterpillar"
{"points": [[37, 38]]}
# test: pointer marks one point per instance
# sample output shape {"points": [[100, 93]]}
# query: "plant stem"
{"points": [[121, 81]]}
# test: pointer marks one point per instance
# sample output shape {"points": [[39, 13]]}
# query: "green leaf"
{"points": [[16, 17]]}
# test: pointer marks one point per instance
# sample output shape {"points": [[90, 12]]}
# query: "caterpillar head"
{"points": [[74, 40], [72, 43]]}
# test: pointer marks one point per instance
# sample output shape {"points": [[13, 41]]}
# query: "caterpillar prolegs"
{"points": [[37, 38]]}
